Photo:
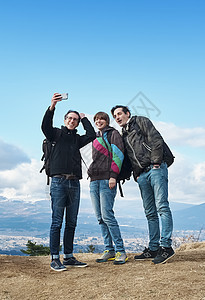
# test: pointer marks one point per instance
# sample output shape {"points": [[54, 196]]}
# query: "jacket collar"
{"points": [[107, 128], [68, 131], [129, 123]]}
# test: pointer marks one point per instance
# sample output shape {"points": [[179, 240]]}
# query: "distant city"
{"points": [[11, 245], [21, 221]]}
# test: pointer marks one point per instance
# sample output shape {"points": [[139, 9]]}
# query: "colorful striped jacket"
{"points": [[107, 155]]}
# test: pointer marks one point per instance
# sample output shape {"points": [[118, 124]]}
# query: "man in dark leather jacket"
{"points": [[65, 170], [144, 146]]}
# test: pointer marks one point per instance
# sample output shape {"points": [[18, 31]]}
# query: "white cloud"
{"points": [[193, 137], [186, 178], [24, 182], [199, 173], [186, 183]]}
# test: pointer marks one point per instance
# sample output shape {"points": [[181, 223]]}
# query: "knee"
{"points": [[56, 225], [108, 217], [151, 215], [71, 224], [163, 209]]}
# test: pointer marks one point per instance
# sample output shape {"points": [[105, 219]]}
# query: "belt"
{"points": [[66, 176]]}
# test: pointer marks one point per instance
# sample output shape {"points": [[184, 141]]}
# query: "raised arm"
{"points": [[47, 123], [90, 134]]}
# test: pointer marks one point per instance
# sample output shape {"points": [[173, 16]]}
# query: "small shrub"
{"points": [[35, 250]]}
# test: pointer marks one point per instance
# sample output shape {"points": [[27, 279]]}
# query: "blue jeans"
{"points": [[103, 201], [154, 191], [65, 196]]}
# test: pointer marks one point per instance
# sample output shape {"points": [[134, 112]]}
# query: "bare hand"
{"points": [[56, 98], [112, 183], [82, 115]]}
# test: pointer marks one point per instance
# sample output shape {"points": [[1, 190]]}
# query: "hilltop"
{"points": [[181, 278]]}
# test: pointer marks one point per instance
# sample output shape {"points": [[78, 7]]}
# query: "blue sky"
{"points": [[102, 53]]}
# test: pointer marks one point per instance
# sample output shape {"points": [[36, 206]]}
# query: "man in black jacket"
{"points": [[144, 146], [65, 170]]}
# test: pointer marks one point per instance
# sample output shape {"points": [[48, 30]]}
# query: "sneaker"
{"points": [[163, 255], [56, 265], [107, 255], [73, 262], [120, 258], [146, 254]]}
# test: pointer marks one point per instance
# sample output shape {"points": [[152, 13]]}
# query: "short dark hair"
{"points": [[73, 111], [102, 115], [125, 109]]}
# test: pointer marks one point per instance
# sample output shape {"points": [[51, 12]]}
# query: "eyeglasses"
{"points": [[74, 119]]}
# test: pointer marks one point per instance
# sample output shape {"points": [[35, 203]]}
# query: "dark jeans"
{"points": [[65, 196]]}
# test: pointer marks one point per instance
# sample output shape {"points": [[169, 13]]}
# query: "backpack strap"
{"points": [[118, 180], [137, 126], [58, 134], [120, 188]]}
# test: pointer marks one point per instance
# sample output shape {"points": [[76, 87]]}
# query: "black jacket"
{"points": [[143, 143], [66, 157]]}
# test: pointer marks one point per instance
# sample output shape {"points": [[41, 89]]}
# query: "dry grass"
{"points": [[181, 278]]}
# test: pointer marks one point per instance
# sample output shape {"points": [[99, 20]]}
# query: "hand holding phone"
{"points": [[64, 96], [56, 98]]}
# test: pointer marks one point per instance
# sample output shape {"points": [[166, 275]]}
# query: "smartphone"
{"points": [[64, 96]]}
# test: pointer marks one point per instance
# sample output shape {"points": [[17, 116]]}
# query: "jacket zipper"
{"points": [[134, 154], [147, 147]]}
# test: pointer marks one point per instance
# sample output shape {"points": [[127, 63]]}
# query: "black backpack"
{"points": [[48, 148], [168, 155], [125, 172], [126, 169]]}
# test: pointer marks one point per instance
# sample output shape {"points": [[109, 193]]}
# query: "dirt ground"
{"points": [[182, 277]]}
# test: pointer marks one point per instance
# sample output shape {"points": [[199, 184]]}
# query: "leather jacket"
{"points": [[143, 143]]}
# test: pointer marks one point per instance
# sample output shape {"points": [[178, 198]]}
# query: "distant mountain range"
{"points": [[190, 218], [27, 218]]}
